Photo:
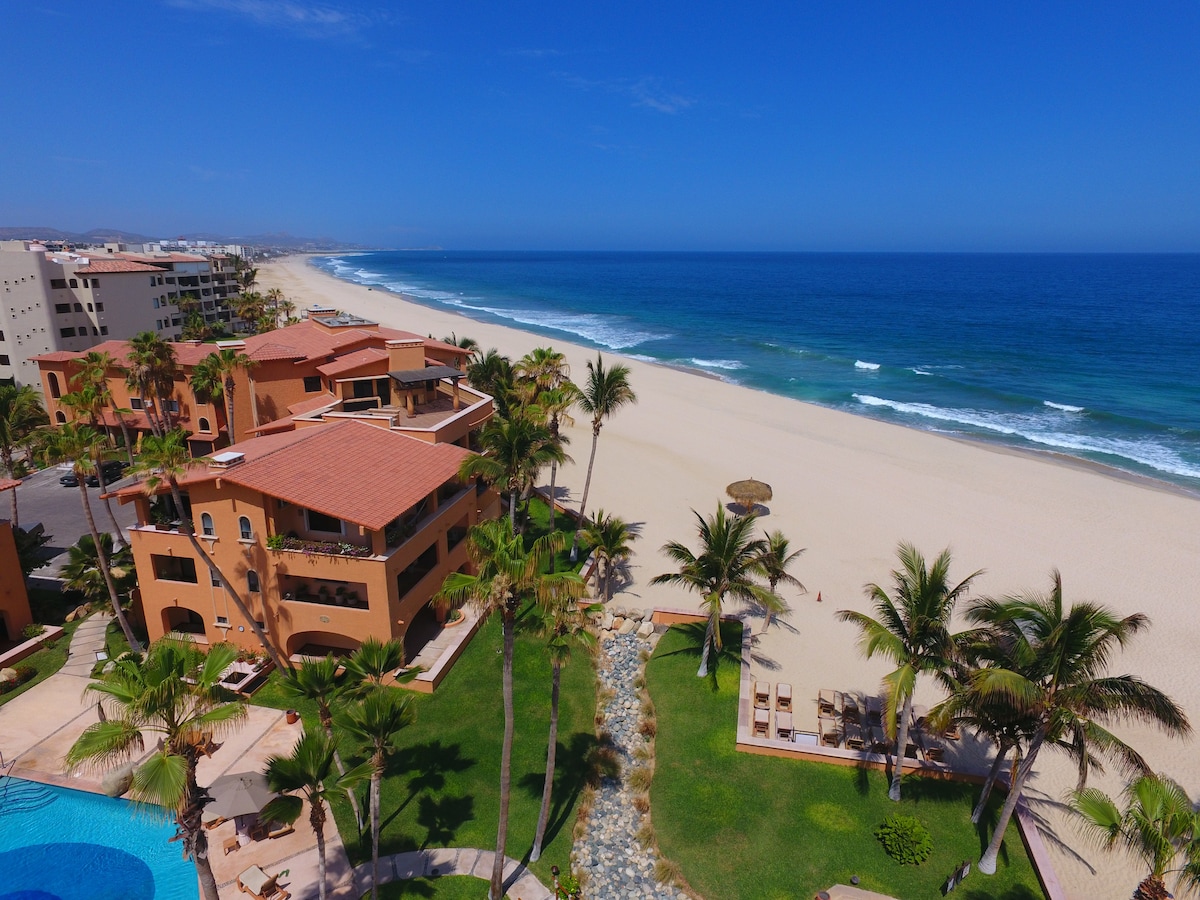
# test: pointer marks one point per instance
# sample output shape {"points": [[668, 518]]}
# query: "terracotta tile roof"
{"points": [[7, 484], [56, 356], [163, 257], [114, 266], [307, 406], [267, 352], [354, 360]]}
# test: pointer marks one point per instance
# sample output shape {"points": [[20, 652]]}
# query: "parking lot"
{"points": [[41, 498]]}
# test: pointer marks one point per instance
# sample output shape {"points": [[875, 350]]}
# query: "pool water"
{"points": [[59, 844]]}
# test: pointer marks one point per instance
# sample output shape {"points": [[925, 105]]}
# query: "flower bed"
{"points": [[331, 548]]}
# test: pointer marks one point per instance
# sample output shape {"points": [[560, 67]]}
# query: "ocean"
{"points": [[1093, 356]]}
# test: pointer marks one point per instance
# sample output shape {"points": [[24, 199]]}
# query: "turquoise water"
{"points": [[1095, 356], [59, 844]]}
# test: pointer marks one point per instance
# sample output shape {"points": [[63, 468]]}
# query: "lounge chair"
{"points": [[231, 844], [257, 883], [783, 726], [850, 711], [783, 697], [762, 695], [762, 723], [827, 727], [829, 703], [262, 831], [935, 751], [211, 820], [874, 712], [855, 739]]}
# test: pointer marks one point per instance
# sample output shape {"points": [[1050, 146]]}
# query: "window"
{"points": [[216, 582], [74, 283], [104, 329], [60, 417], [206, 524], [78, 307], [321, 522], [312, 384], [99, 306], [62, 308], [174, 568], [172, 406], [85, 282], [252, 582], [95, 331], [134, 403], [158, 324], [244, 528], [52, 379], [204, 424], [151, 281], [67, 332], [223, 621], [58, 283], [156, 303], [3, 360], [96, 284]]}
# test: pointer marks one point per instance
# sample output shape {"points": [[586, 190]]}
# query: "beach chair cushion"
{"points": [[783, 724], [783, 696], [255, 881]]}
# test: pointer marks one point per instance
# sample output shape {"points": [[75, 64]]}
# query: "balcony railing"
{"points": [[326, 548]]}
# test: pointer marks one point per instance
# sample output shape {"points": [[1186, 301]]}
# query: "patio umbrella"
{"points": [[239, 794], [748, 492]]}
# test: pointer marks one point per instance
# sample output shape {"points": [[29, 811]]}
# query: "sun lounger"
{"points": [[262, 831], [855, 740], [874, 712], [827, 729], [935, 751], [230, 844], [762, 695], [783, 697], [762, 723], [257, 883], [829, 703], [783, 726], [850, 710], [211, 820]]}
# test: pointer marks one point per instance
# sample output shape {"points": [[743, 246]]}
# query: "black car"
{"points": [[112, 472], [69, 480]]}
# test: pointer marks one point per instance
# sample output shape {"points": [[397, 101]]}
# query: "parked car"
{"points": [[113, 469], [69, 480]]}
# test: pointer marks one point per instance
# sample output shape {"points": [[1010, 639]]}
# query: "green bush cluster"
{"points": [[24, 674], [905, 840], [32, 630]]}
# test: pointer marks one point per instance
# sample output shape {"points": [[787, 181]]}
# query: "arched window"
{"points": [[60, 417], [204, 424], [244, 528], [252, 581], [206, 525], [55, 390]]}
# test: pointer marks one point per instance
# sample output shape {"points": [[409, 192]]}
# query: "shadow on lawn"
{"points": [[431, 761], [693, 635], [572, 770]]}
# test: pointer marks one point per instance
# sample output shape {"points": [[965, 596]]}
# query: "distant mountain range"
{"points": [[279, 241]]}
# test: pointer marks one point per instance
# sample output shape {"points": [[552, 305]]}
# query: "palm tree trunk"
{"points": [[229, 411], [901, 746], [103, 560], [1151, 888], [242, 609], [376, 778], [551, 750], [327, 723], [496, 889], [708, 640], [553, 476], [208, 881], [124, 433], [993, 774], [8, 470], [512, 511], [587, 486], [120, 535], [317, 818], [987, 863]]}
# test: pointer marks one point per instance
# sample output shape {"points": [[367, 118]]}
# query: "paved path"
{"points": [[88, 638], [520, 883]]}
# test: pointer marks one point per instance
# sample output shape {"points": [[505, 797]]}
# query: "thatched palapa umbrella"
{"points": [[749, 492]]}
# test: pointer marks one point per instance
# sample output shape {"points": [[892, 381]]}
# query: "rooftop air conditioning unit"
{"points": [[227, 460]]}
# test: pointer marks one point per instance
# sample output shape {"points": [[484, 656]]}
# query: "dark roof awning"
{"points": [[429, 373]]}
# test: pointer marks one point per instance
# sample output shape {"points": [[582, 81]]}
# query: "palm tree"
{"points": [[317, 680], [175, 691], [604, 392], [507, 574], [376, 720], [563, 625], [165, 460], [610, 538], [213, 377], [94, 369], [86, 402], [514, 450], [370, 665], [723, 568], [80, 445], [912, 629], [307, 775], [466, 343], [153, 369], [21, 411], [1057, 674], [492, 373], [84, 573], [773, 565], [139, 374], [545, 380], [1159, 826]]}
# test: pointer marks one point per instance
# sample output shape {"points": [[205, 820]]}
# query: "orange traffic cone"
{"points": [[818, 596]]}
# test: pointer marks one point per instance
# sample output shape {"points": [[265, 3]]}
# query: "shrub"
{"points": [[32, 630], [905, 840]]}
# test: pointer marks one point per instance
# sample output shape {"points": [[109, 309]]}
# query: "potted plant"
{"points": [[454, 617]]}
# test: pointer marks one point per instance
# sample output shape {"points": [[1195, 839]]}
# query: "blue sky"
{"points": [[831, 126]]}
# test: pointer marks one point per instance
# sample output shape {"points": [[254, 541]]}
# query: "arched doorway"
{"points": [[183, 620], [321, 643]]}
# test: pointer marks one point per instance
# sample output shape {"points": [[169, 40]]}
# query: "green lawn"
{"points": [[788, 828], [539, 524], [451, 887], [442, 788], [49, 608]]}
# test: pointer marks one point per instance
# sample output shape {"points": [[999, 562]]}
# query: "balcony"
{"points": [[324, 592], [280, 542]]}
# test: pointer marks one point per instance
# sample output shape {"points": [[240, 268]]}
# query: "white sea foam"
{"points": [[607, 331], [920, 372], [868, 366], [1065, 407], [731, 364]]}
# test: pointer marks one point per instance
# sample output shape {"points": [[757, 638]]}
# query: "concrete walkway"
{"points": [[88, 638], [519, 882]]}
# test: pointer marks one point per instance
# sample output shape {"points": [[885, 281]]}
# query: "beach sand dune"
{"points": [[849, 489]]}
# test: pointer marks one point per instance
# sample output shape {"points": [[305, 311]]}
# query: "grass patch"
{"points": [[442, 788], [538, 524], [451, 887], [789, 828]]}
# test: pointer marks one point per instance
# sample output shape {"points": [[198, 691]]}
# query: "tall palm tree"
{"points": [[175, 691], [506, 576], [466, 343], [514, 450], [376, 720], [153, 369], [94, 368], [492, 373], [773, 565], [214, 376], [84, 573], [1060, 657], [1159, 826], [139, 374], [21, 411], [317, 680], [912, 629], [307, 775], [369, 666], [724, 567], [604, 392], [85, 402], [165, 460], [545, 380], [611, 539], [80, 445], [563, 625]]}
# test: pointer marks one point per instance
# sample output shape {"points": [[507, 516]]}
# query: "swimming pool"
{"points": [[59, 844]]}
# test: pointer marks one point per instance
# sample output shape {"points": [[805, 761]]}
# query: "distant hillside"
{"points": [[277, 241]]}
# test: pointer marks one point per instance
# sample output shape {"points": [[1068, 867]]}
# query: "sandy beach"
{"points": [[849, 489]]}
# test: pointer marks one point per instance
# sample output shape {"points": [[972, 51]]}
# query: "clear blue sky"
{"points": [[614, 125]]}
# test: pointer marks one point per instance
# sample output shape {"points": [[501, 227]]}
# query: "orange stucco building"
{"points": [[14, 600], [329, 534]]}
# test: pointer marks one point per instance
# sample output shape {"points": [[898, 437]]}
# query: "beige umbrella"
{"points": [[749, 492]]}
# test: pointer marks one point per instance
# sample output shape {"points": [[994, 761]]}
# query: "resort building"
{"points": [[325, 368], [14, 600], [329, 534]]}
